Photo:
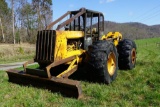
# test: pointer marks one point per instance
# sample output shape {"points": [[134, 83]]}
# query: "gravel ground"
{"points": [[11, 65]]}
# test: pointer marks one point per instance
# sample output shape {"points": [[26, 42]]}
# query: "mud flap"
{"points": [[67, 87]]}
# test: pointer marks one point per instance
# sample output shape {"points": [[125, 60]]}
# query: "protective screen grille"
{"points": [[45, 45]]}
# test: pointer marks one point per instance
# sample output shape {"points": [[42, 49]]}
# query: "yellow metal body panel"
{"points": [[62, 37], [74, 34], [74, 52], [116, 36]]}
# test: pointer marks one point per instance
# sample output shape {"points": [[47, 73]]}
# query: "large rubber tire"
{"points": [[127, 54], [102, 62]]}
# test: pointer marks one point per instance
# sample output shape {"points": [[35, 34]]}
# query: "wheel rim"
{"points": [[133, 56], [111, 63]]}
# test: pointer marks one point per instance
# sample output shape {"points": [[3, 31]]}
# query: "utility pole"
{"points": [[2, 30], [13, 21]]}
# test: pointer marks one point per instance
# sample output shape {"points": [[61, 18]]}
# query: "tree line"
{"points": [[21, 19]]}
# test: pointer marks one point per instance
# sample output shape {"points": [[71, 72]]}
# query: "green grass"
{"points": [[137, 87]]}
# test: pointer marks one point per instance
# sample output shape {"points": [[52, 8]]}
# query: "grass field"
{"points": [[16, 53], [137, 87]]}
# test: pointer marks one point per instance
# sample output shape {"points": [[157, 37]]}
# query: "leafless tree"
{"points": [[13, 22], [2, 30]]}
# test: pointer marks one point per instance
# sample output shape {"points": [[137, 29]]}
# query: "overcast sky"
{"points": [[143, 11]]}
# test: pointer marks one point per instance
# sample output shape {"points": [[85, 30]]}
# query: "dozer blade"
{"points": [[67, 87]]}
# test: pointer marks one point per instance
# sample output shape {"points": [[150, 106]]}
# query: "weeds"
{"points": [[21, 50], [16, 53]]}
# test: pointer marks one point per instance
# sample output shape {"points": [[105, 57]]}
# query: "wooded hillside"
{"points": [[133, 30]]}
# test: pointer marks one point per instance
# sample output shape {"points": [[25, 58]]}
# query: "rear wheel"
{"points": [[127, 54], [103, 62]]}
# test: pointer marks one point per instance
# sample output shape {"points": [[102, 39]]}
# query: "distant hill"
{"points": [[133, 30]]}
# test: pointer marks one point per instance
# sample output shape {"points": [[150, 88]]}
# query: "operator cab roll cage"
{"points": [[89, 21]]}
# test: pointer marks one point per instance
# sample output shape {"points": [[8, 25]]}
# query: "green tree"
{"points": [[4, 13]]}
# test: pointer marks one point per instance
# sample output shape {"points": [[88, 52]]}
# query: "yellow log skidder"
{"points": [[78, 40]]}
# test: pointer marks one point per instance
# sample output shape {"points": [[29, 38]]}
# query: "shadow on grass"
{"points": [[158, 72], [144, 63], [80, 74]]}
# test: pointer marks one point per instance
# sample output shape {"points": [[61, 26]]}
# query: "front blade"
{"points": [[67, 87]]}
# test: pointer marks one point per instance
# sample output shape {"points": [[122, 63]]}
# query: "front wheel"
{"points": [[103, 61]]}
